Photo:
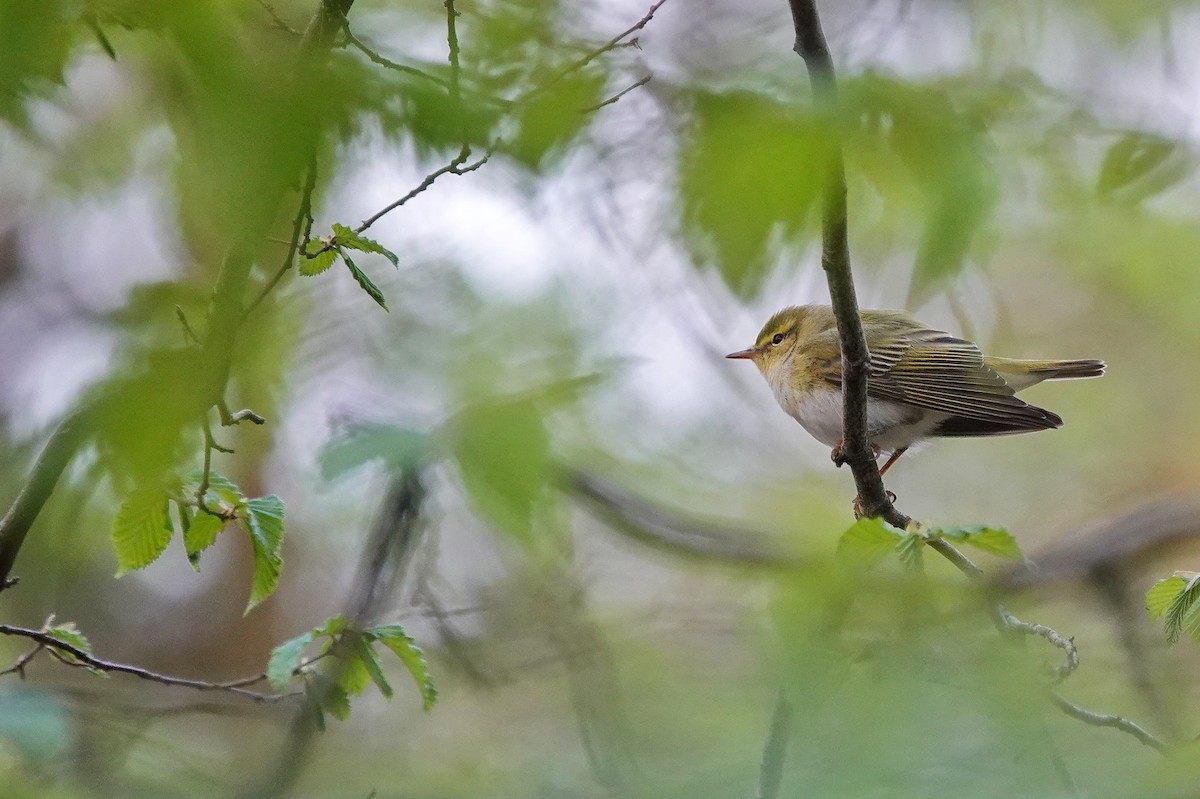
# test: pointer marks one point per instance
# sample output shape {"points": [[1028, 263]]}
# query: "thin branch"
{"points": [[279, 21], [376, 58], [458, 166], [589, 57], [453, 55], [1106, 720], [18, 667], [770, 771], [301, 228], [616, 96], [1067, 645], [79, 658], [835, 260]]}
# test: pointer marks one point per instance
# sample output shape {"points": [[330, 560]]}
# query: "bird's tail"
{"points": [[1022, 374]]}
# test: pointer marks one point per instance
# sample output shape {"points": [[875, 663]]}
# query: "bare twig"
{"points": [[453, 54], [375, 57], [301, 228], [592, 55], [1115, 722], [458, 166], [79, 658], [617, 96], [279, 21], [1067, 645], [770, 771]]}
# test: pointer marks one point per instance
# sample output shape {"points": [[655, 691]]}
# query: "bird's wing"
{"points": [[937, 371], [934, 370]]}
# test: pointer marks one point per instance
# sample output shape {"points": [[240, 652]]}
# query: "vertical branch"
{"points": [[835, 260]]}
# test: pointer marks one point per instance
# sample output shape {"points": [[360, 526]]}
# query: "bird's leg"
{"points": [[894, 457], [858, 504]]}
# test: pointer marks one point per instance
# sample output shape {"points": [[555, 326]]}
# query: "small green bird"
{"points": [[922, 382]]}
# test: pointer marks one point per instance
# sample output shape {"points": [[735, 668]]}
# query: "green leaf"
{"points": [[285, 659], [347, 238], [993, 540], [396, 639], [200, 535], [398, 447], [1176, 615], [337, 702], [350, 672], [911, 549], [141, 530], [1162, 594], [316, 261], [753, 171], [364, 281], [316, 693], [503, 454], [366, 654], [553, 117], [1140, 165], [332, 626], [868, 542], [264, 523], [67, 633]]}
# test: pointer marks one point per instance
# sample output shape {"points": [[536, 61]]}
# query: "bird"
{"points": [[922, 383]]}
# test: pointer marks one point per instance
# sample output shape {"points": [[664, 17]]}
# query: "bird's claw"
{"points": [[839, 458], [858, 512]]}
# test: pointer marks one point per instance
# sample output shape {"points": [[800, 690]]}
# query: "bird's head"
{"points": [[776, 339]]}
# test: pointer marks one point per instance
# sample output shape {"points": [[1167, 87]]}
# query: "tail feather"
{"points": [[1021, 374]]}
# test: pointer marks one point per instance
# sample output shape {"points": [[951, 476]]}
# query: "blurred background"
{"points": [[625, 547]]}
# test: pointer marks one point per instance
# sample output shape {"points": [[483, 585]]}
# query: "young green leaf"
{"points": [[285, 659], [264, 522], [67, 633], [398, 447], [200, 535], [911, 549], [141, 530], [1176, 616], [364, 281], [348, 239], [336, 702], [369, 658], [993, 540], [1162, 594], [396, 639], [868, 542], [316, 261]]}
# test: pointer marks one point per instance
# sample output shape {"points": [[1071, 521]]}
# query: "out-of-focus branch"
{"points": [[670, 532], [74, 656], [1105, 720], [70, 435]]}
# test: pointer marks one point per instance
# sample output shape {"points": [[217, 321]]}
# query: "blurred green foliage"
{"points": [[567, 662]]}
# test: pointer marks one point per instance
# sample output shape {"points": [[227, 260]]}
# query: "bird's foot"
{"points": [[858, 513], [839, 458]]}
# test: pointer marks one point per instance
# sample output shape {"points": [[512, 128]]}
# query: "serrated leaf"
{"points": [[366, 653], [1176, 612], [264, 522], [911, 550], [396, 639], [345, 237], [1162, 594], [332, 626], [993, 540], [316, 264], [69, 635], [364, 281], [219, 486], [350, 673], [200, 535], [868, 542], [398, 447], [285, 658], [140, 530]]}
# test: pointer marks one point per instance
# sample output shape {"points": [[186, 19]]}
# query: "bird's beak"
{"points": [[746, 354]]}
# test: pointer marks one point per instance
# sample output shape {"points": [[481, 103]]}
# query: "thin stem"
{"points": [[78, 657]]}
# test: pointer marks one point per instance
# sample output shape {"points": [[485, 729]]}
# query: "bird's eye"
{"points": [[778, 339]]}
